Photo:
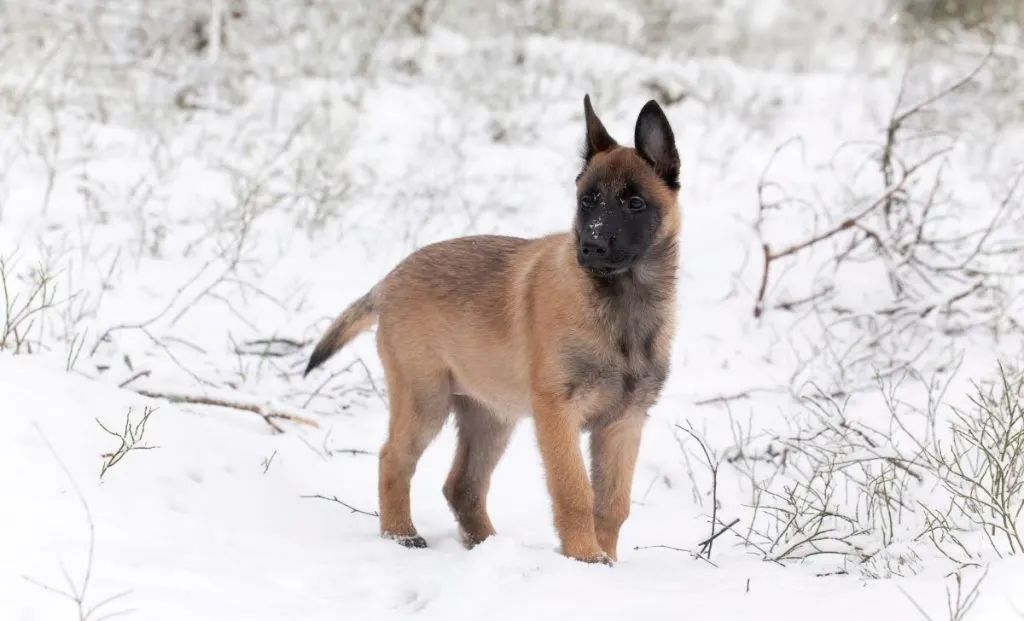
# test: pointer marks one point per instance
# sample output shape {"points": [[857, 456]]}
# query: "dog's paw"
{"points": [[407, 541], [594, 558]]}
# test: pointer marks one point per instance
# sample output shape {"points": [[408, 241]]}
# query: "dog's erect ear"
{"points": [[598, 139], [655, 142]]}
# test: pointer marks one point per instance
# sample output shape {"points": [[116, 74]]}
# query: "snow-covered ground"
{"points": [[201, 527], [185, 224]]}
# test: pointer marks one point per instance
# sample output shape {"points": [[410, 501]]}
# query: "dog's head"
{"points": [[626, 198]]}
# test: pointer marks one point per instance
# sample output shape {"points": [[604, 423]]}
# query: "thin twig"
{"points": [[723, 530], [342, 503], [144, 373], [696, 555]]}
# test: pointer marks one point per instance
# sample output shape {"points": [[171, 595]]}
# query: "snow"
{"points": [[199, 527], [177, 237]]}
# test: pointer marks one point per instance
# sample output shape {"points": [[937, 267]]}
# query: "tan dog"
{"points": [[574, 327]]}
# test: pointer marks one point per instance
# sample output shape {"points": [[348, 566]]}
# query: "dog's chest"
{"points": [[605, 380], [641, 365]]}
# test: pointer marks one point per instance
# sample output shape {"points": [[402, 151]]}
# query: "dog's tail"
{"points": [[359, 316]]}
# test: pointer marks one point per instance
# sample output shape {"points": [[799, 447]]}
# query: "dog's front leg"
{"points": [[572, 498], [613, 453]]}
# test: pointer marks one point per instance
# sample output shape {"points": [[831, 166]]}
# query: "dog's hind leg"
{"points": [[482, 440], [419, 401]]}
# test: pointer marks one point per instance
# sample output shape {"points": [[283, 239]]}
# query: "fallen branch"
{"points": [[737, 396], [266, 411], [270, 347], [144, 373], [696, 555], [349, 451], [342, 503]]}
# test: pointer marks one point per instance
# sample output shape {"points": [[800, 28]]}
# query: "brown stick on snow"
{"points": [[268, 413]]}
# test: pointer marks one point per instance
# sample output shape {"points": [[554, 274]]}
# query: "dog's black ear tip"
{"points": [[652, 106]]}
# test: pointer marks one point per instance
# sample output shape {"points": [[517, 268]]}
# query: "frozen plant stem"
{"points": [[130, 437], [713, 464], [958, 603], [78, 593]]}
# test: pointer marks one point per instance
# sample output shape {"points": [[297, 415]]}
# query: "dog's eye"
{"points": [[637, 204]]}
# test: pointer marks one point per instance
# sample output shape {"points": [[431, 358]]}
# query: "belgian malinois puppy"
{"points": [[573, 327]]}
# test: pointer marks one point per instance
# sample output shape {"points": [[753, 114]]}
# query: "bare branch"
{"points": [[270, 413], [342, 503]]}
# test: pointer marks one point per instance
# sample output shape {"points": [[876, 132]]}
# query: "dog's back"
{"points": [[457, 305]]}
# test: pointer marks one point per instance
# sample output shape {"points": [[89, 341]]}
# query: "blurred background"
{"points": [[178, 179]]}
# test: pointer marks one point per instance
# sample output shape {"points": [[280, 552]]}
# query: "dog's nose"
{"points": [[594, 249]]}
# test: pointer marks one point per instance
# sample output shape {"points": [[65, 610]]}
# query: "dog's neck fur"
{"points": [[632, 305]]}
